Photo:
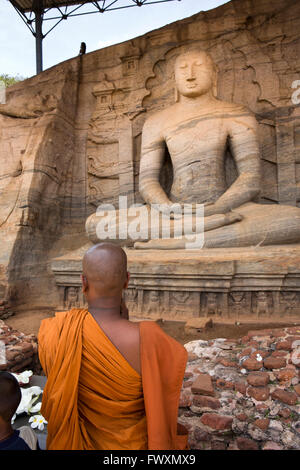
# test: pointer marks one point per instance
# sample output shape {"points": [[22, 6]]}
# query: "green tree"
{"points": [[9, 80]]}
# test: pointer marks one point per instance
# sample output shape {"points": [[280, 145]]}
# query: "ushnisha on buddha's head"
{"points": [[195, 74]]}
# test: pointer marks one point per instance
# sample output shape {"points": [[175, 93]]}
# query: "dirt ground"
{"points": [[29, 322], [218, 330]]}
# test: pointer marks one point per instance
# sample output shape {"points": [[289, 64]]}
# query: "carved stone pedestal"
{"points": [[258, 283]]}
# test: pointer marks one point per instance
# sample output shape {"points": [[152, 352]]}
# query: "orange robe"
{"points": [[95, 400]]}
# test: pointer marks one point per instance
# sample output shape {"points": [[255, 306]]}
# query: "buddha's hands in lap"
{"points": [[176, 211], [232, 217], [210, 223], [211, 208]]}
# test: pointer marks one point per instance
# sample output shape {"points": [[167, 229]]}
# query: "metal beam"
{"points": [[39, 11]]}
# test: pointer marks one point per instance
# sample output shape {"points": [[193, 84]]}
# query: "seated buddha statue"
{"points": [[197, 130]]}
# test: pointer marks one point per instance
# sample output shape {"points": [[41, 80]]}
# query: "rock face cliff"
{"points": [[70, 137]]}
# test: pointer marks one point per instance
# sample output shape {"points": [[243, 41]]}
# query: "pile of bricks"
{"points": [[5, 309], [243, 394], [18, 351]]}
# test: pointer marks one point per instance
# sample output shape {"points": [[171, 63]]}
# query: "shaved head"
{"points": [[10, 396], [104, 267]]}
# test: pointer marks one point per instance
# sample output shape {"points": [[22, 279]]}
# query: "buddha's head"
{"points": [[72, 293], [261, 295], [154, 296], [195, 73]]}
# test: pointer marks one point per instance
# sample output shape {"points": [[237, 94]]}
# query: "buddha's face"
{"points": [[154, 296], [237, 297], [193, 74], [72, 293]]}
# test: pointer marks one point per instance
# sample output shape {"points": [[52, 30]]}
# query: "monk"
{"points": [[112, 384]]}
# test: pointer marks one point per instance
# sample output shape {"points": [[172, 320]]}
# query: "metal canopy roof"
{"points": [[28, 5], [35, 12]]}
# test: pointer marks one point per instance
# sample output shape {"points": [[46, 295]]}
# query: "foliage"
{"points": [[9, 80]]}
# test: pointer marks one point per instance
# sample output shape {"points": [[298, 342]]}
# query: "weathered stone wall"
{"points": [[37, 127]]}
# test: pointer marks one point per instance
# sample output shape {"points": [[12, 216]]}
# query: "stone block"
{"points": [[203, 385]]}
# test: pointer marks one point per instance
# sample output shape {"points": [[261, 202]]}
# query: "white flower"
{"points": [[243, 371], [37, 421], [36, 408], [23, 377], [258, 357], [29, 397]]}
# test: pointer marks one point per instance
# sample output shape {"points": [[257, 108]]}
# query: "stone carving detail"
{"points": [[110, 148], [234, 305], [212, 304], [290, 302], [131, 298], [238, 304], [183, 302], [130, 64], [262, 303], [103, 93], [152, 302], [103, 173], [71, 298]]}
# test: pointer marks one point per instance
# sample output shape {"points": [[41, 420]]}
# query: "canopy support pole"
{"points": [[38, 11]]}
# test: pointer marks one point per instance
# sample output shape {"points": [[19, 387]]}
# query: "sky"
{"points": [[17, 44]]}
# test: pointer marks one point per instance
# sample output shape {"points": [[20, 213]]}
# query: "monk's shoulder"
{"points": [[153, 331], [155, 341], [51, 322], [135, 330], [56, 322], [132, 332]]}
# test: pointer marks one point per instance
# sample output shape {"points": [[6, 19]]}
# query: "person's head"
{"points": [[10, 396], [104, 272], [195, 73]]}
